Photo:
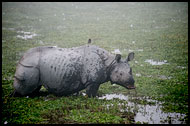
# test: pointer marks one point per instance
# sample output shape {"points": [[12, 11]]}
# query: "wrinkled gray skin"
{"points": [[63, 71]]}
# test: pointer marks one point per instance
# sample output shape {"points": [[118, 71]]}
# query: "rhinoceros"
{"points": [[64, 71]]}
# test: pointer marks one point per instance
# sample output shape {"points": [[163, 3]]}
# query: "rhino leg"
{"points": [[26, 80], [92, 90]]}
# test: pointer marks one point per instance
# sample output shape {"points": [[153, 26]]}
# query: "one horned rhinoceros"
{"points": [[63, 71]]}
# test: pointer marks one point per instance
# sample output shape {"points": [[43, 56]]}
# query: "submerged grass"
{"points": [[159, 29]]}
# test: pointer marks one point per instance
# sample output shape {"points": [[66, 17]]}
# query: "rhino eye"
{"points": [[121, 74]]}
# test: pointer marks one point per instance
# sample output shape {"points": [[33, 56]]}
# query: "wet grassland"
{"points": [[155, 32]]}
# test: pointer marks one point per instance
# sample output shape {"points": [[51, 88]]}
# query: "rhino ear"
{"points": [[130, 56], [117, 57]]}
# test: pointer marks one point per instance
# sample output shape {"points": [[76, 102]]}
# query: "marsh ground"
{"points": [[156, 32]]}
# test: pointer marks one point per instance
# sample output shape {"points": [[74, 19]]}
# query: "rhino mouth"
{"points": [[130, 87]]}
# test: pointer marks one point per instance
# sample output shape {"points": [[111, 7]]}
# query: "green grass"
{"points": [[160, 29]]}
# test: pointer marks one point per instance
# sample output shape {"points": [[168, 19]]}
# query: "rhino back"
{"points": [[94, 70], [60, 69], [31, 57]]}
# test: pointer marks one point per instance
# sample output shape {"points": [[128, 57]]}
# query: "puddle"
{"points": [[26, 35], [111, 96], [133, 42], [151, 114], [5, 122], [152, 62], [138, 74], [181, 67], [41, 42], [116, 51], [149, 76], [164, 77], [11, 29], [130, 50], [145, 30], [136, 61], [137, 50], [160, 27]]}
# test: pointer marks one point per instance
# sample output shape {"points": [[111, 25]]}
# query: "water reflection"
{"points": [[148, 113]]}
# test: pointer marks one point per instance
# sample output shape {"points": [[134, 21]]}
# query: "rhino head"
{"points": [[121, 73]]}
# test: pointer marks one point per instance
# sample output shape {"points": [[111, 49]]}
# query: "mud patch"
{"points": [[163, 77], [25, 35], [150, 112], [116, 51], [152, 62], [181, 67], [138, 74], [137, 50]]}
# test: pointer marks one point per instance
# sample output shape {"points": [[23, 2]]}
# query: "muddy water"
{"points": [[26, 35], [152, 62], [151, 114]]}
